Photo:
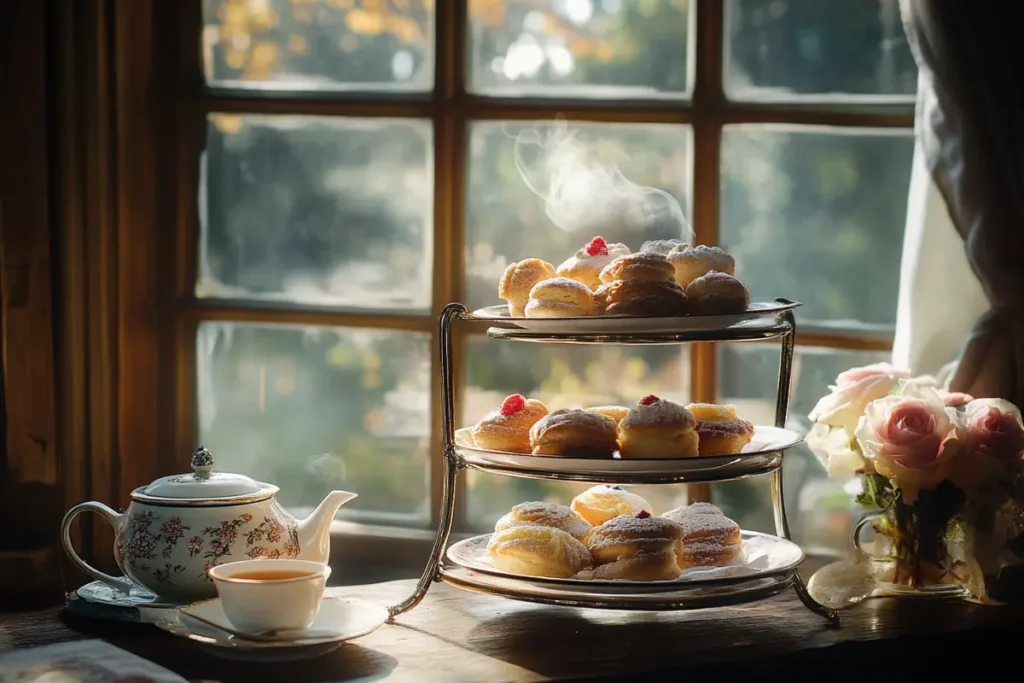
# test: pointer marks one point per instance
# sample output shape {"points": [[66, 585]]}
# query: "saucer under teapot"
{"points": [[179, 526]]}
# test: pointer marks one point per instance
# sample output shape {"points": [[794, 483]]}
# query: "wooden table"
{"points": [[454, 636]]}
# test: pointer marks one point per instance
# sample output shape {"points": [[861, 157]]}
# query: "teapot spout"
{"points": [[315, 530]]}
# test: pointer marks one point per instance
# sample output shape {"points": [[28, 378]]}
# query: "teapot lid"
{"points": [[203, 485]]}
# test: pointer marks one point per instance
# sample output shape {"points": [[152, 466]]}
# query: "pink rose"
{"points": [[868, 371], [910, 438], [993, 426], [955, 398]]}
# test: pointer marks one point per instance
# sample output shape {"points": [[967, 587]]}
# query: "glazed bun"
{"points": [[692, 262], [710, 539], [716, 294], [641, 298], [508, 428], [641, 548], [614, 412], [646, 266], [657, 428], [574, 433], [534, 550], [559, 297], [517, 281], [721, 430], [600, 503], [546, 514]]}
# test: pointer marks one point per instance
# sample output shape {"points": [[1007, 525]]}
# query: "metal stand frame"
{"points": [[784, 326]]}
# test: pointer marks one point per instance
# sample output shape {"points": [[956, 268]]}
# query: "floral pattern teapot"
{"points": [[177, 527]]}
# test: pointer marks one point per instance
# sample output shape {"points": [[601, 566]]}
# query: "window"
{"points": [[357, 174]]}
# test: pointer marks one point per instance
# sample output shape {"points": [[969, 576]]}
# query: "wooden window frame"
{"points": [[137, 121]]}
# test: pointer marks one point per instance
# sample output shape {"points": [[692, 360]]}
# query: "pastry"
{"points": [[662, 247], [519, 279], [692, 262], [546, 514], [717, 293], [614, 412], [574, 433], [721, 430], [559, 297], [508, 428], [643, 265], [639, 548], [600, 503], [710, 539], [535, 550], [586, 265], [640, 297], [657, 428]]}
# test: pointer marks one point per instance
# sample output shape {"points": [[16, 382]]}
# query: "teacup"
{"points": [[262, 596]]}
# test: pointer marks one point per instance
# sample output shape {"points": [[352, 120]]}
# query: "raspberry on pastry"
{"points": [[517, 281], [722, 431], [585, 266], [508, 428], [559, 297], [657, 428]]}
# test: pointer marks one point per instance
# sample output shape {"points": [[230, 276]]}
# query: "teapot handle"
{"points": [[122, 584]]}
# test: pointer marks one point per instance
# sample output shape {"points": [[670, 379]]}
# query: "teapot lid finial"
{"points": [[202, 462]]}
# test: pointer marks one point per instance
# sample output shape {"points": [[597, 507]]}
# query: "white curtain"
{"points": [[940, 298]]}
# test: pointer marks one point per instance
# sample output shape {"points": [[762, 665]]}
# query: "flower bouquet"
{"points": [[939, 473]]}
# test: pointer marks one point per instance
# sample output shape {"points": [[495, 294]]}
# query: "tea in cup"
{"points": [[260, 596]]}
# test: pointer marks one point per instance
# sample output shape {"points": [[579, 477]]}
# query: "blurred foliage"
{"points": [[810, 215]]}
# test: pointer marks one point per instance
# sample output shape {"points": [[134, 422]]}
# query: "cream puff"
{"points": [[586, 265], [721, 430], [534, 550], [717, 293], [639, 548], [614, 412], [508, 428], [641, 298], [573, 433], [546, 514], [657, 428], [710, 539], [692, 262], [559, 297], [646, 266], [662, 247], [517, 281], [600, 503]]}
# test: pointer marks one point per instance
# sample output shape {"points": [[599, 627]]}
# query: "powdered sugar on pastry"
{"points": [[657, 413]]}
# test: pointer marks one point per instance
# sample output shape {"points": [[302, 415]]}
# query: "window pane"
{"points": [[313, 409], [563, 376], [818, 215], [506, 221], [580, 48], [788, 49], [317, 211], [319, 45], [818, 510]]}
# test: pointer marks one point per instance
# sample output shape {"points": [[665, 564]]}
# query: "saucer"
{"points": [[339, 620]]}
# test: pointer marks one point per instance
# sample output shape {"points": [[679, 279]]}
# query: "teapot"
{"points": [[177, 527]]}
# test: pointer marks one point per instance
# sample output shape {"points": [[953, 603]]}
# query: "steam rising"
{"points": [[582, 193]]}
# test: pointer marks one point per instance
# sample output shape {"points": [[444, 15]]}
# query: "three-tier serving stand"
{"points": [[776, 322]]}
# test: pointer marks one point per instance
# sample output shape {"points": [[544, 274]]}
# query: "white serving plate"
{"points": [[764, 556], [762, 454], [625, 324]]}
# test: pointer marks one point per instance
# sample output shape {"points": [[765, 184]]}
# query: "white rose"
{"points": [[853, 391], [834, 448]]}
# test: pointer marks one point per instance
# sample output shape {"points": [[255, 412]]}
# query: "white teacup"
{"points": [[259, 596]]}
